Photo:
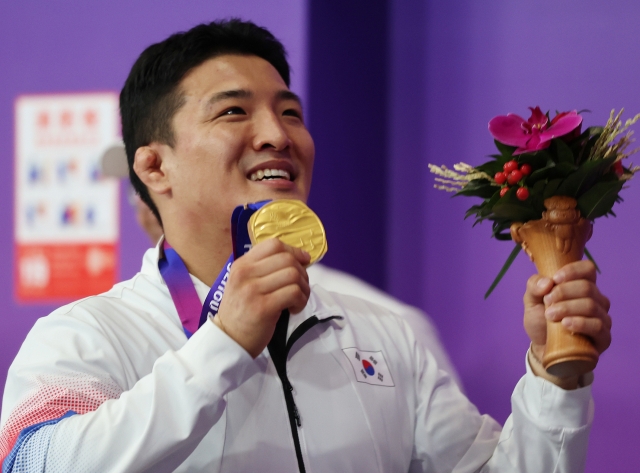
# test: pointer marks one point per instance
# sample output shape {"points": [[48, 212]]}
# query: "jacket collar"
{"points": [[314, 305], [150, 262]]}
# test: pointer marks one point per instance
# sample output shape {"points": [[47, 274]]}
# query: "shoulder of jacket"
{"points": [[125, 296]]}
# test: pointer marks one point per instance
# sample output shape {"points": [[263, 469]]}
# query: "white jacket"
{"points": [[149, 400], [423, 327]]}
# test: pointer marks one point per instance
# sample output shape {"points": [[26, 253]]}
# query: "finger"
{"points": [[299, 254], [291, 297], [591, 326], [584, 307], [537, 287], [276, 262], [300, 300], [265, 249], [274, 246], [596, 329], [577, 289], [584, 269], [535, 324], [281, 278]]}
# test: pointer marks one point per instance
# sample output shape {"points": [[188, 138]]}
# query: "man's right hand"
{"points": [[271, 277]]}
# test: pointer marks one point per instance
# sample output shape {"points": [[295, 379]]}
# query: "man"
{"points": [[111, 383], [113, 163]]}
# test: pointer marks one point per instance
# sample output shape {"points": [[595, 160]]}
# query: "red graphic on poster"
{"points": [[66, 215], [49, 272]]}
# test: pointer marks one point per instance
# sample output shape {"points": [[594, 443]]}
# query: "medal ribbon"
{"points": [[176, 275]]}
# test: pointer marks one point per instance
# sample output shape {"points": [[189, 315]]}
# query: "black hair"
{"points": [[151, 96]]}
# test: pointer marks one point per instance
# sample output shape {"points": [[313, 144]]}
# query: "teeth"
{"points": [[264, 173]]}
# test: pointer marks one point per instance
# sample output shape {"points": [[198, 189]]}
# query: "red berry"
{"points": [[514, 177], [510, 166], [522, 193], [503, 191], [617, 168], [500, 177], [525, 169]]}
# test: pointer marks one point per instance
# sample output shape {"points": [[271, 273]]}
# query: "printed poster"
{"points": [[66, 213]]}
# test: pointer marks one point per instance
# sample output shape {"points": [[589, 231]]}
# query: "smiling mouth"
{"points": [[270, 175]]}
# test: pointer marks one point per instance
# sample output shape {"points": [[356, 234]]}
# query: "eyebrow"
{"points": [[246, 94], [229, 94], [288, 95]]}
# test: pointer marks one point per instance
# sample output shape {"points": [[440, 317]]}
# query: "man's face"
{"points": [[239, 138]]}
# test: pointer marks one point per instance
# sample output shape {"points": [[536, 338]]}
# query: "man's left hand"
{"points": [[571, 298]]}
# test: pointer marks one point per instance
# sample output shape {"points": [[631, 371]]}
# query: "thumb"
{"points": [[537, 287], [301, 255]]}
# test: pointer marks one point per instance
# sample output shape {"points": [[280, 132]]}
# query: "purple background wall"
{"points": [[449, 68], [476, 60], [347, 93], [392, 85]]}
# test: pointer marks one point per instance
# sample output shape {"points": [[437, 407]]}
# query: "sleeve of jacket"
{"points": [[426, 333], [547, 431], [67, 379]]}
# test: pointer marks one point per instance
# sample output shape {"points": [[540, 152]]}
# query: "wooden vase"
{"points": [[555, 240]]}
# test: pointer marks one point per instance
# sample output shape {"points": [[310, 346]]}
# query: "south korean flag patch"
{"points": [[369, 367]]}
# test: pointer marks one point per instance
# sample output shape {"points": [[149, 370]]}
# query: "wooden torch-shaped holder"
{"points": [[555, 240]]}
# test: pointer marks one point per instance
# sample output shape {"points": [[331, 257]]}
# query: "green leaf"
{"points": [[595, 131], [585, 135], [544, 154], [501, 230], [514, 212], [538, 187], [503, 236], [588, 255], [478, 188], [562, 170], [483, 210], [536, 160], [542, 173], [584, 177], [492, 167], [488, 205], [505, 150], [599, 200], [474, 209], [582, 145], [496, 163], [563, 152], [504, 269], [551, 188], [536, 198], [589, 145]]}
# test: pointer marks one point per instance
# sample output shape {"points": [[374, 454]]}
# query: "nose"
{"points": [[269, 133]]}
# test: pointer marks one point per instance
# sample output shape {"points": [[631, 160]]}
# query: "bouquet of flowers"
{"points": [[540, 158]]}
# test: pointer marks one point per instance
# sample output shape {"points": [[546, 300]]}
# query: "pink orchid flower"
{"points": [[535, 133]]}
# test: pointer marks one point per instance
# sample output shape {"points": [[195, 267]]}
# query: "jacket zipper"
{"points": [[279, 348]]}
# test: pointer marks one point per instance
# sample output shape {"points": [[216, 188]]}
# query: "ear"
{"points": [[147, 164]]}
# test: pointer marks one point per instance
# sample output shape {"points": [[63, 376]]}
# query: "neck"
{"points": [[204, 254]]}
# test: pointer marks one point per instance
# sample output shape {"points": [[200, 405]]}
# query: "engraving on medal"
{"points": [[292, 222]]}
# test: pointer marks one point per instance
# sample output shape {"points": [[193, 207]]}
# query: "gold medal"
{"points": [[293, 223]]}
